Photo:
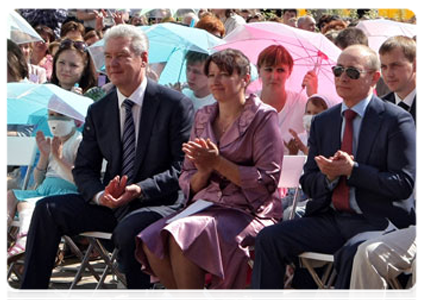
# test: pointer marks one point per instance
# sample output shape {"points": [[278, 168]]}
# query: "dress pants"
{"points": [[70, 215], [380, 259], [278, 245]]}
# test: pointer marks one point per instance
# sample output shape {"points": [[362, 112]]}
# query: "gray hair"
{"points": [[373, 62], [301, 20], [138, 37]]}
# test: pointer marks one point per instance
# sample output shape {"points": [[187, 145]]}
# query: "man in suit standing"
{"points": [[398, 64], [138, 128], [361, 163]]}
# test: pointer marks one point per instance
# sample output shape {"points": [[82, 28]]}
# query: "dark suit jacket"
{"points": [[386, 162], [391, 98], [165, 124]]}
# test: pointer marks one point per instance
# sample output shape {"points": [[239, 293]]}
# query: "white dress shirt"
{"points": [[407, 100], [138, 98]]}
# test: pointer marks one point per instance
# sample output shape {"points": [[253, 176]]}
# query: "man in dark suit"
{"points": [[138, 129], [398, 64], [361, 163]]}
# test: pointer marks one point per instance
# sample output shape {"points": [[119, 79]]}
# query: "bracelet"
{"points": [[43, 171]]}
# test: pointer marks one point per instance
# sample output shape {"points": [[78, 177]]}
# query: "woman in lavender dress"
{"points": [[233, 161]]}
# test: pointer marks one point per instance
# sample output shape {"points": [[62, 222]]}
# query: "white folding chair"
{"points": [[313, 260], [94, 238], [400, 292], [21, 152], [109, 258], [292, 168]]}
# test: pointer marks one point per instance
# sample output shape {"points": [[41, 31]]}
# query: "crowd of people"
{"points": [[208, 145]]}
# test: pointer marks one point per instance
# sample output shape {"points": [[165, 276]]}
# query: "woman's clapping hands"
{"points": [[203, 153]]}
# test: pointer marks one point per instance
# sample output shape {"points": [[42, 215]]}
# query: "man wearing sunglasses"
{"points": [[360, 167], [382, 259], [138, 128]]}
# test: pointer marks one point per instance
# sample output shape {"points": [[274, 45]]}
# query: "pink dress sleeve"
{"points": [[260, 181]]}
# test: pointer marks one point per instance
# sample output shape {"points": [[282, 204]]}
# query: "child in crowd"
{"points": [[315, 105], [52, 174]]}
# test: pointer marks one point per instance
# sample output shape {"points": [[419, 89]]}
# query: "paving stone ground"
{"points": [[63, 277]]}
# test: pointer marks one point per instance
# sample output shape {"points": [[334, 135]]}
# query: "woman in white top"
{"points": [[275, 65], [36, 74]]}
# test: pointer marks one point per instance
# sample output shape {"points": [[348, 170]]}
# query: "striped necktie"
{"points": [[128, 142]]}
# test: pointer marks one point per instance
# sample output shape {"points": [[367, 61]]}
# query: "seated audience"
{"points": [[138, 20], [212, 24], [17, 67], [336, 25], [52, 174], [40, 55], [229, 18], [275, 65], [351, 36], [288, 15], [92, 37], [190, 19], [229, 164], [198, 89], [36, 74], [17, 71], [257, 17], [307, 22], [379, 260], [72, 30], [73, 69], [138, 129], [315, 105], [398, 59], [359, 174]]}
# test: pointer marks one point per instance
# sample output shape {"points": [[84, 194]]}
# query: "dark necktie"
{"points": [[128, 142], [341, 193], [403, 105]]}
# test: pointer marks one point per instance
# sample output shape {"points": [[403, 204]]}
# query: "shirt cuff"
{"points": [[96, 198], [331, 185], [355, 166]]}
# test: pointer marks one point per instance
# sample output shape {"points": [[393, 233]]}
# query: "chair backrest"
{"points": [[21, 152], [292, 168]]}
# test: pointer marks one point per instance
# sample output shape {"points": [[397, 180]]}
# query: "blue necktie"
{"points": [[128, 142]]}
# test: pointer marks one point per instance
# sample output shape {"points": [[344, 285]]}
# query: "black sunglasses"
{"points": [[67, 43], [351, 72]]}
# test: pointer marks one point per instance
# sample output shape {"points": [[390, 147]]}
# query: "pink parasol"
{"points": [[380, 30], [310, 51]]}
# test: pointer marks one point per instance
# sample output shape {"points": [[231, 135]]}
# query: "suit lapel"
{"points": [[390, 97], [415, 108], [112, 117], [370, 127], [335, 121], [148, 115], [337, 140]]}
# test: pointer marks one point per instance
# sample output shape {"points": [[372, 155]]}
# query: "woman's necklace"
{"points": [[224, 126]]}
